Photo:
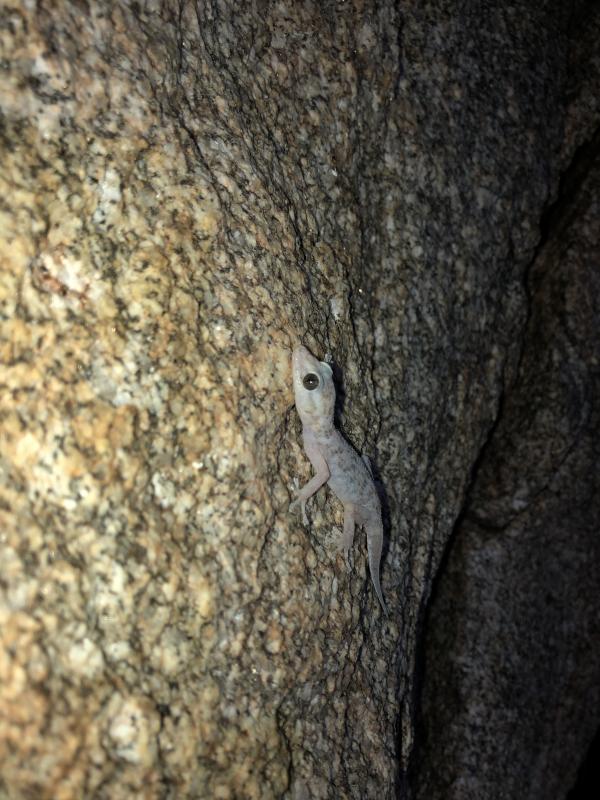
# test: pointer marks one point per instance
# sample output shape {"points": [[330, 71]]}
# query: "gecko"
{"points": [[335, 461]]}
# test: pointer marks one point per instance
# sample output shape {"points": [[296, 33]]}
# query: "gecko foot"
{"points": [[346, 553], [294, 505]]}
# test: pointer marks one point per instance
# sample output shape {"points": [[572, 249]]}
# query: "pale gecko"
{"points": [[335, 461]]}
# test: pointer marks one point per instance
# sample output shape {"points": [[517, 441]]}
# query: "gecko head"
{"points": [[313, 388]]}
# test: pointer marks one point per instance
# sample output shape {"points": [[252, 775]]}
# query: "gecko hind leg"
{"points": [[348, 533]]}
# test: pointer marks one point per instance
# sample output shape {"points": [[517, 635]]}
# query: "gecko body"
{"points": [[334, 460]]}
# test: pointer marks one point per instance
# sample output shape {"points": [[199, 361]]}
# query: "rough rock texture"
{"points": [[511, 696], [186, 190]]}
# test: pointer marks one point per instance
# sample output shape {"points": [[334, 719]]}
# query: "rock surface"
{"points": [[512, 688], [189, 189]]}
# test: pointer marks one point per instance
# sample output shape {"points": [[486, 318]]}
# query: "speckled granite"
{"points": [[186, 190]]}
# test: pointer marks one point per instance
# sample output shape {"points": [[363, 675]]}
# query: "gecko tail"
{"points": [[374, 544], [379, 594]]}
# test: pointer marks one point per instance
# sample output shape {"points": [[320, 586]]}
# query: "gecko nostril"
{"points": [[310, 381]]}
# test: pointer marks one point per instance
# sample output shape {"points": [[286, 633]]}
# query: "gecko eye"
{"points": [[310, 381]]}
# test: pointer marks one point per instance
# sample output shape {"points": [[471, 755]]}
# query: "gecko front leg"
{"points": [[320, 477]]}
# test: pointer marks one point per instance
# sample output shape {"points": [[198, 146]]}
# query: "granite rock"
{"points": [[187, 190]]}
